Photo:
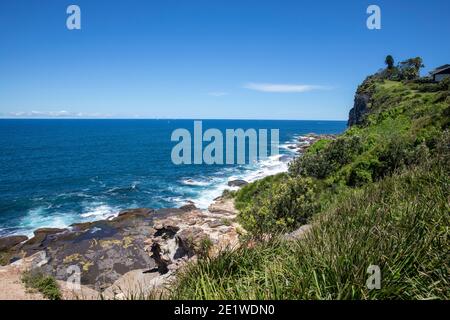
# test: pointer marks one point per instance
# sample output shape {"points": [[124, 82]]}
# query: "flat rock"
{"points": [[215, 223], [7, 243], [48, 231], [223, 206]]}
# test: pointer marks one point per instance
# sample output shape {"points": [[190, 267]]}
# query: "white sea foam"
{"points": [[99, 211], [40, 218], [250, 173], [290, 146], [178, 201], [193, 182]]}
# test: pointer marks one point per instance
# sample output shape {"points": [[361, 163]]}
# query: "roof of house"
{"points": [[445, 67]]}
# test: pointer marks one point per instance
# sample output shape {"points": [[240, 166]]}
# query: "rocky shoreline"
{"points": [[151, 244], [135, 253]]}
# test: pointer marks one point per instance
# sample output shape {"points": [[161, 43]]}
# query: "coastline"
{"points": [[137, 245]]}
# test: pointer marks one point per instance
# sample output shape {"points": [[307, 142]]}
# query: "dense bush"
{"points": [[325, 161], [281, 205], [402, 127]]}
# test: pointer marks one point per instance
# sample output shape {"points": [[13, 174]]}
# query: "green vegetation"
{"points": [[400, 223], [43, 283], [276, 203], [378, 194], [205, 246], [401, 129], [272, 203], [4, 258]]}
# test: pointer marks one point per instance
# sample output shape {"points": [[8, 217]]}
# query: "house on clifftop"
{"points": [[441, 73]]}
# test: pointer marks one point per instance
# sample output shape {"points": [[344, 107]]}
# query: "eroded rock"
{"points": [[193, 241], [9, 242]]}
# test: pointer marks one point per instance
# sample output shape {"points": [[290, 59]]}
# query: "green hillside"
{"points": [[377, 195]]}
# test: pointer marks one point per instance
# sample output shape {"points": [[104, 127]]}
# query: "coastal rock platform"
{"points": [[135, 253]]}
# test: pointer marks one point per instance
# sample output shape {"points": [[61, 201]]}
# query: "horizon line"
{"points": [[193, 119]]}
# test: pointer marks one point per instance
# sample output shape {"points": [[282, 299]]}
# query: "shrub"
{"points": [[260, 188], [228, 194], [328, 159], [318, 146], [283, 206], [45, 284], [362, 172], [410, 69]]}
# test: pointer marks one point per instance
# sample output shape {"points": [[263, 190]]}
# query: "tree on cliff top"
{"points": [[389, 61]]}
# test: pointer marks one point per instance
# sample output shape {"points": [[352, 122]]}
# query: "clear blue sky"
{"points": [[206, 58]]}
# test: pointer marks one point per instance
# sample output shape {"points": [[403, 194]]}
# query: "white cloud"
{"points": [[283, 88], [218, 94], [52, 114]]}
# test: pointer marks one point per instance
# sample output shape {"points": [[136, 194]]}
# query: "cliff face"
{"points": [[356, 114], [363, 97]]}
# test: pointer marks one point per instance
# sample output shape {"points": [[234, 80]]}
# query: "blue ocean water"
{"points": [[57, 172]]}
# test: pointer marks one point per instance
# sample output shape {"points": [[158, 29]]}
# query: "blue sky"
{"points": [[206, 58]]}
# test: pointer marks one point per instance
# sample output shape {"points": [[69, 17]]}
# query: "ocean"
{"points": [[57, 172]]}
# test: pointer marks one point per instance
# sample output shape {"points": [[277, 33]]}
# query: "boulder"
{"points": [[215, 223], [192, 241], [223, 206], [133, 213], [237, 183], [190, 206]]}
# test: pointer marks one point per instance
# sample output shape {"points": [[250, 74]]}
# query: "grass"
{"points": [[45, 284], [400, 223], [4, 258]]}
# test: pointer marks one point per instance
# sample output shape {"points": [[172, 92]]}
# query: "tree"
{"points": [[389, 61], [410, 69]]}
